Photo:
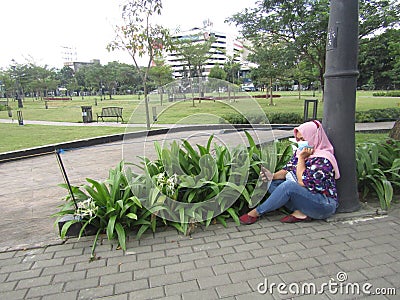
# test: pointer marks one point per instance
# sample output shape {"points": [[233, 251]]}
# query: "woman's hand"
{"points": [[306, 152], [266, 175]]}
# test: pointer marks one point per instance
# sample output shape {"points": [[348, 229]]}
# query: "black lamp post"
{"points": [[17, 85], [340, 96]]}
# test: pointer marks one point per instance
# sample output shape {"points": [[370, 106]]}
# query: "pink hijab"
{"points": [[315, 135]]}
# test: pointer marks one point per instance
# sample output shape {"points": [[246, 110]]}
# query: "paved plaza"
{"points": [[350, 256]]}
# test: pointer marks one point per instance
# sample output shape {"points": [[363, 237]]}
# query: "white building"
{"points": [[223, 48]]}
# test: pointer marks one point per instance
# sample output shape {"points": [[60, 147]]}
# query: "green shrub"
{"points": [[241, 119], [364, 117], [387, 94], [285, 118], [376, 115], [181, 174], [378, 170], [109, 206], [379, 94], [273, 118]]}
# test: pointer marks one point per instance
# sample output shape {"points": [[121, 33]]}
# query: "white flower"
{"points": [[86, 208], [160, 176]]}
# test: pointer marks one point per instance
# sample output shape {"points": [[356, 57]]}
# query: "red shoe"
{"points": [[247, 220], [293, 219]]}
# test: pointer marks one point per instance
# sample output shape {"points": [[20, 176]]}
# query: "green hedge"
{"points": [[273, 118], [376, 115], [387, 94]]}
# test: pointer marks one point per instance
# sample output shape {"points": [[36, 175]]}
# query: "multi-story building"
{"points": [[223, 48], [76, 65]]}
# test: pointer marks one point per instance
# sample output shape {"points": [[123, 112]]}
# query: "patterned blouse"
{"points": [[318, 177]]}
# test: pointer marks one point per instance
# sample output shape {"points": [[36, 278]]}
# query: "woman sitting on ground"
{"points": [[307, 184]]}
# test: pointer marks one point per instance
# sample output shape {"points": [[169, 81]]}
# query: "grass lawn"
{"points": [[15, 137], [371, 137], [70, 111], [27, 136]]}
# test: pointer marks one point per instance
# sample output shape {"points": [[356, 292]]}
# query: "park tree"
{"points": [[274, 60], [394, 51], [29, 78], [232, 69], [194, 52], [217, 72], [161, 74], [129, 80], [7, 84], [379, 61], [40, 80], [139, 37], [304, 23], [65, 75], [110, 78]]}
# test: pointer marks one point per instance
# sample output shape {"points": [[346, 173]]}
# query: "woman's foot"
{"points": [[296, 216], [293, 219], [249, 218]]}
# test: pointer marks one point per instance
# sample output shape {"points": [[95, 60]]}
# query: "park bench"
{"points": [[57, 98], [111, 111]]}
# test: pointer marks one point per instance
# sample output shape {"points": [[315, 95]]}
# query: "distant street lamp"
{"points": [[17, 85]]}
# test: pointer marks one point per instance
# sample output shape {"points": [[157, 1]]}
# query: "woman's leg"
{"points": [[296, 197], [278, 198], [272, 187], [274, 184], [318, 206]]}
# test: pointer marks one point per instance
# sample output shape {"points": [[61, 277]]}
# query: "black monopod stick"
{"points": [[64, 173]]}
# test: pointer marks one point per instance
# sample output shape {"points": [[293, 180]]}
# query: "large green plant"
{"points": [[109, 206], [205, 177], [175, 189], [378, 170]]}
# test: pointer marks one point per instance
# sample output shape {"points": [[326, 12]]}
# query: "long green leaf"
{"points": [[100, 187], [177, 226], [142, 230], [234, 215], [132, 216], [209, 143], [66, 226], [92, 256], [210, 215], [221, 219], [250, 139], [121, 235], [111, 226]]}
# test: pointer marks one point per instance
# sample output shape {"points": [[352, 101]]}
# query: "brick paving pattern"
{"points": [[213, 263]]}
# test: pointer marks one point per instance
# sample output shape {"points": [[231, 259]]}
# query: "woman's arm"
{"points": [[281, 174], [301, 164], [268, 175]]}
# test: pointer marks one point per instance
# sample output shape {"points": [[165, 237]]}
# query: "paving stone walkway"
{"points": [[337, 257], [236, 262]]}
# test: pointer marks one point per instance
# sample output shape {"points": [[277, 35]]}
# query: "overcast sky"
{"points": [[38, 30]]}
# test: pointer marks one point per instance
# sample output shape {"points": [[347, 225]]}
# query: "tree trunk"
{"points": [[271, 101], [395, 131]]}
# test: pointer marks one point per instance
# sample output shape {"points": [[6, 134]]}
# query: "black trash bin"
{"points": [[87, 114]]}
